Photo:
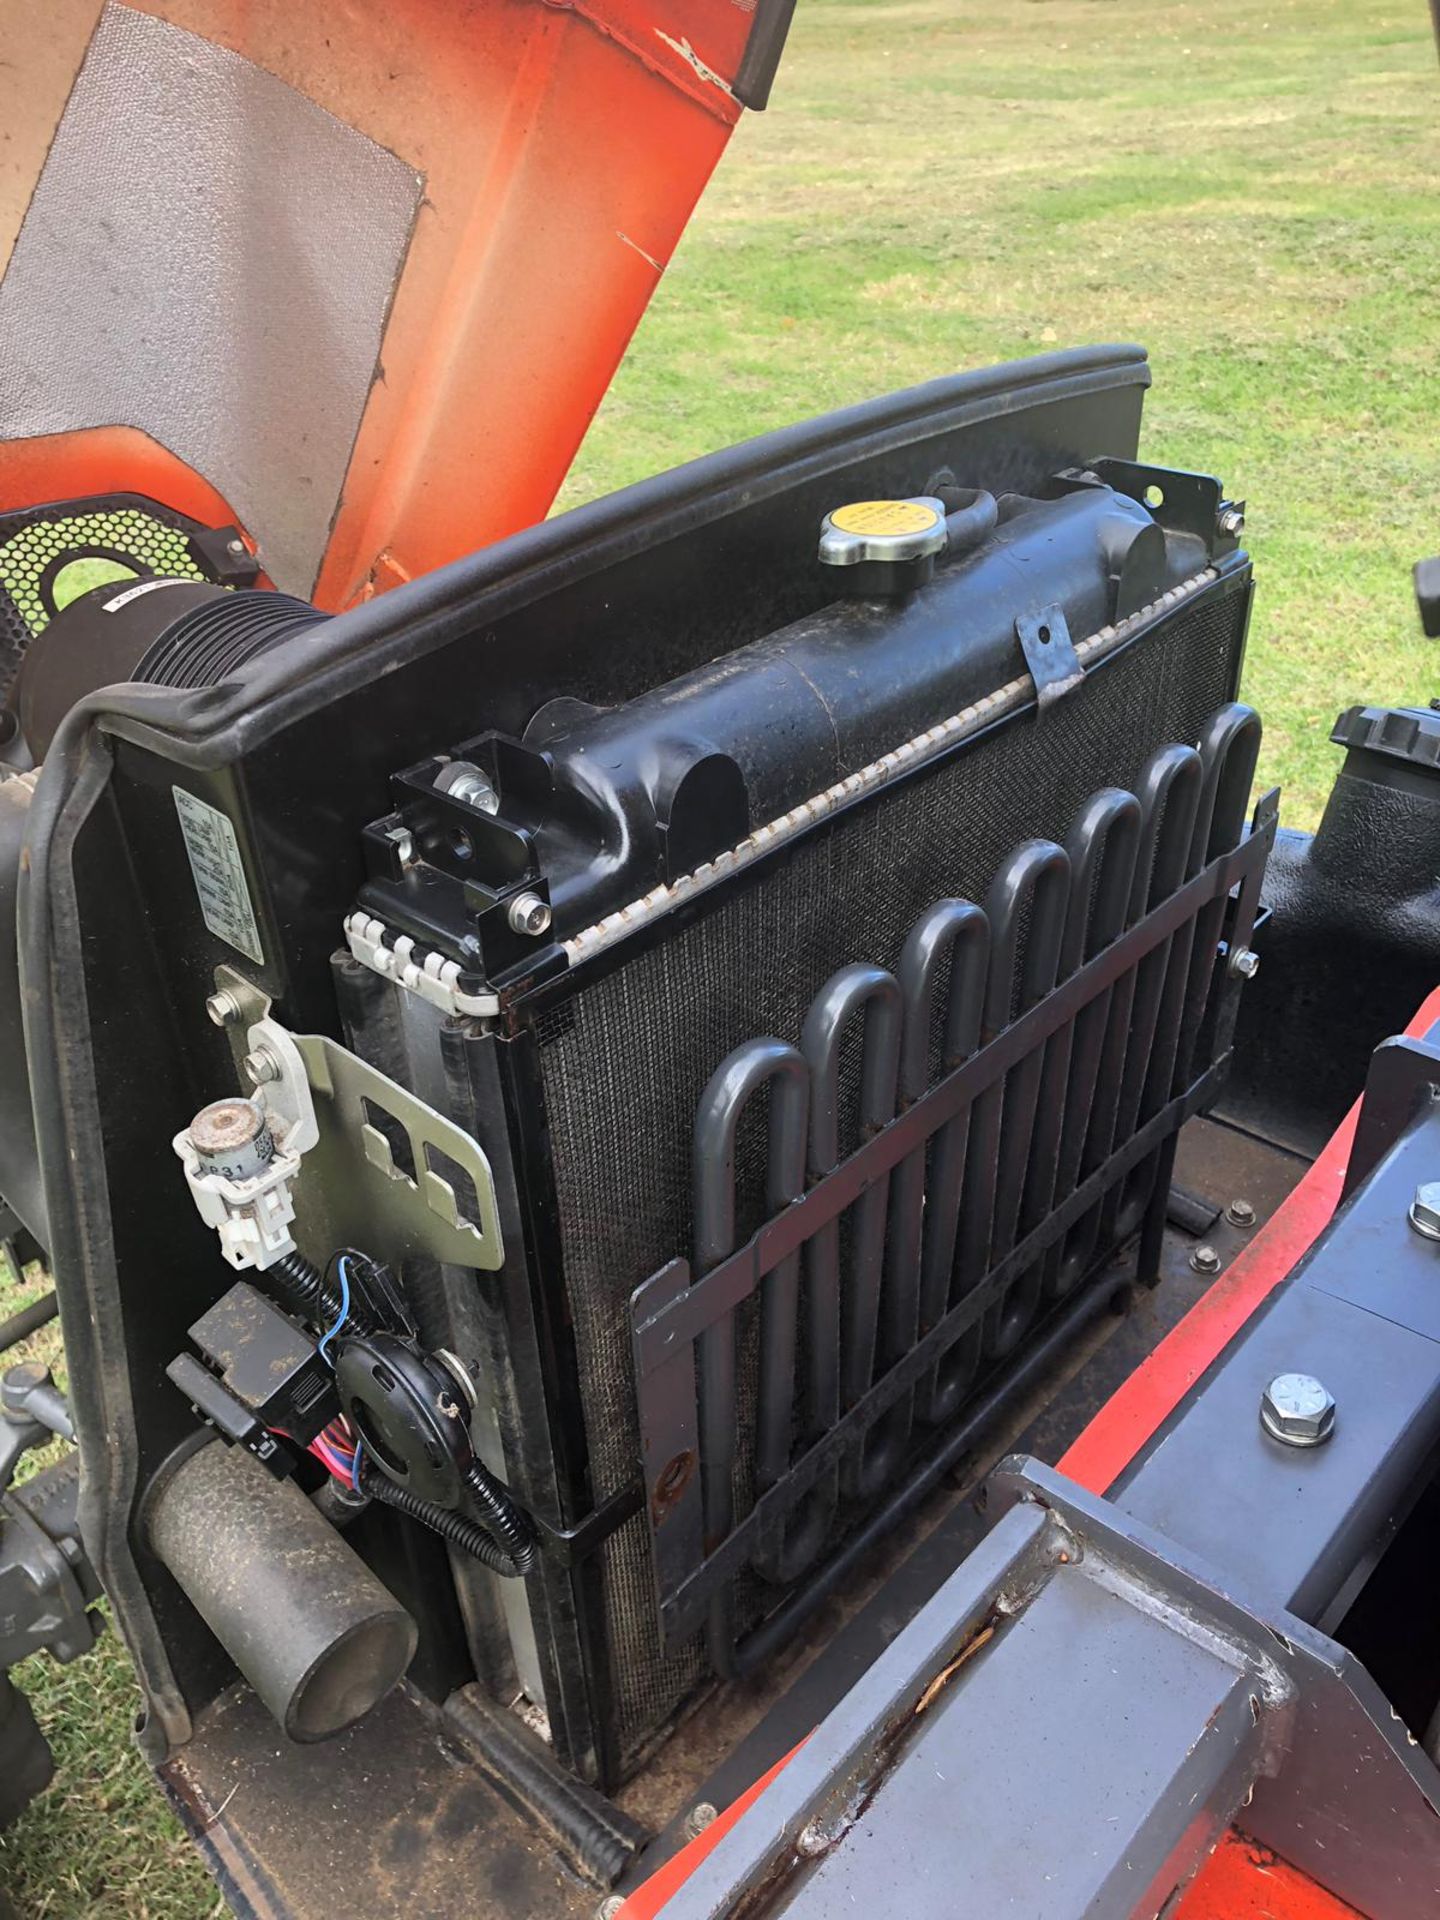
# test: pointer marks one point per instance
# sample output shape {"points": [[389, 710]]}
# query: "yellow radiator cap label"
{"points": [[885, 518]]}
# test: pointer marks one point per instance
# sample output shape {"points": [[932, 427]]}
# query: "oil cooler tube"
{"points": [[301, 1615]]}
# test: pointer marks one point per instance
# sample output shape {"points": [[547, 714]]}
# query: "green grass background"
{"points": [[1250, 187]]}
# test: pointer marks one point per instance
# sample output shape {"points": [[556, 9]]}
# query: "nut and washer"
{"points": [[1425, 1209], [1297, 1410], [463, 780], [223, 1008], [261, 1067], [1232, 521], [1205, 1260], [528, 914], [1244, 963]]}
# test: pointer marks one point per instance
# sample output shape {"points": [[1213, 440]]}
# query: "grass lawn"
{"points": [[1249, 187]]}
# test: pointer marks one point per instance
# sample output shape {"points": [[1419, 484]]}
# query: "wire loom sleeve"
{"points": [[507, 1548]]}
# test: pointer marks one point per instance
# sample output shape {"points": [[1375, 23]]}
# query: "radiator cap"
{"points": [[889, 544]]}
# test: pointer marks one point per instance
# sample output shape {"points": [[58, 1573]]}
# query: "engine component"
{"points": [[298, 1611], [242, 1156], [272, 1367]]}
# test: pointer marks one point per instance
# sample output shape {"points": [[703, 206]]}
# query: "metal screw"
{"points": [[1425, 1209], [1240, 1213], [528, 914], [700, 1816], [1205, 1260], [463, 780], [238, 548], [1232, 521], [223, 1008], [1297, 1409], [1244, 963], [261, 1067]]}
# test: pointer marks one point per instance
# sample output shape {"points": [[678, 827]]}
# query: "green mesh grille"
{"points": [[131, 536]]}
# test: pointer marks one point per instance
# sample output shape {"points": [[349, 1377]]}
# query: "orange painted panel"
{"points": [[1244, 1881]]}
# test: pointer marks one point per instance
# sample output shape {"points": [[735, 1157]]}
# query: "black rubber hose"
{"points": [[456, 1527]]}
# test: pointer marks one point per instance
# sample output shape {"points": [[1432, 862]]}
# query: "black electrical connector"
{"points": [[271, 1365]]}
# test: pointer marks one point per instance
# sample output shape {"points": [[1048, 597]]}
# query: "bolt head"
{"points": [[1244, 963], [811, 1840], [223, 1008], [237, 547], [261, 1067], [1205, 1260], [1297, 1409], [1232, 521], [700, 1816], [1240, 1213], [1425, 1209], [528, 914]]}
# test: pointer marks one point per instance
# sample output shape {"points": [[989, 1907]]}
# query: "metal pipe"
{"points": [[28, 1320], [298, 1611]]}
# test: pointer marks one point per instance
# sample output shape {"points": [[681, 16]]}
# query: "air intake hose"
{"points": [[162, 633]]}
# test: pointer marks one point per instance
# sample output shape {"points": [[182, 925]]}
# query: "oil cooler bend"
{"points": [[301, 1615]]}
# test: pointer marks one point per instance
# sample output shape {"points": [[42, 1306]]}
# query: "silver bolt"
{"points": [[463, 780], [238, 548], [610, 1906], [1244, 963], [403, 842], [1297, 1410], [1232, 521], [1205, 1260], [261, 1067], [223, 1008], [811, 1839], [700, 1816], [1240, 1213], [528, 914], [1425, 1209]]}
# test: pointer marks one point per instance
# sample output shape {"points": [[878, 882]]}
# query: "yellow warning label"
{"points": [[884, 517]]}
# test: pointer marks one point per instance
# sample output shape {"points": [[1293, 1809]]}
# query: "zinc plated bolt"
{"points": [[261, 1067], [700, 1816], [1244, 963], [463, 780], [1425, 1209], [1240, 1213], [528, 914], [1297, 1410], [223, 1008], [1232, 521], [610, 1906], [1205, 1260]]}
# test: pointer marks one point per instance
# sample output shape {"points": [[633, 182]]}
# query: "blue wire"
{"points": [[355, 1467], [344, 1312]]}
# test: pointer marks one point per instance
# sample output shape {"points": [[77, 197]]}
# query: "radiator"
{"points": [[732, 1403]]}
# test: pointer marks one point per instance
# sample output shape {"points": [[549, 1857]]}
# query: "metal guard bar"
{"points": [[672, 1311]]}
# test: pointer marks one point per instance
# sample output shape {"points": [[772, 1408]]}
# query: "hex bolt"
{"points": [[1244, 963], [223, 1008], [528, 914], [1240, 1213], [610, 1906], [1297, 1410], [261, 1067], [700, 1816], [1425, 1209], [1232, 521], [463, 780], [237, 547], [1205, 1260]]}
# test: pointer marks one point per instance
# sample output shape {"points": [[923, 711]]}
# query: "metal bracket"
{"points": [[1049, 654], [1404, 1078], [437, 1200]]}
